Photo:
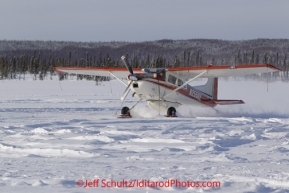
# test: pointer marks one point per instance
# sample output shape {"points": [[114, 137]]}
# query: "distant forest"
{"points": [[18, 58]]}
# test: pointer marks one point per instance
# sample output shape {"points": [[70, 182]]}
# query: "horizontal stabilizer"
{"points": [[227, 102]]}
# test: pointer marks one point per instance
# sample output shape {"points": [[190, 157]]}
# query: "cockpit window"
{"points": [[172, 79], [162, 75], [176, 81]]}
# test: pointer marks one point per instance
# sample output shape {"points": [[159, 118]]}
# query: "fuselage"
{"points": [[158, 93]]}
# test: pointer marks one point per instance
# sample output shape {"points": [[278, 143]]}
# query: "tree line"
{"points": [[19, 58]]}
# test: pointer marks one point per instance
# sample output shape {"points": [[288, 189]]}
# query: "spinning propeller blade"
{"points": [[129, 68], [132, 77], [126, 91]]}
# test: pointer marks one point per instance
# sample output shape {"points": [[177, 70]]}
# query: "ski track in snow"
{"points": [[49, 139]]}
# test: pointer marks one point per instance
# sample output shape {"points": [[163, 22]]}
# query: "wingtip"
{"points": [[273, 67], [55, 68]]}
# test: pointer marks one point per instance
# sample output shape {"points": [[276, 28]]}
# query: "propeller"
{"points": [[126, 91], [129, 68], [132, 77]]}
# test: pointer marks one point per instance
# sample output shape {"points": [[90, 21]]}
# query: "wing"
{"points": [[187, 72], [118, 72], [222, 71]]}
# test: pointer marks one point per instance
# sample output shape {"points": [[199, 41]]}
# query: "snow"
{"points": [[51, 138]]}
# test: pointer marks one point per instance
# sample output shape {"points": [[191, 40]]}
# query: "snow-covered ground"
{"points": [[50, 139]]}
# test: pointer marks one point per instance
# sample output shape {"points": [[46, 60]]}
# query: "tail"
{"points": [[210, 88]]}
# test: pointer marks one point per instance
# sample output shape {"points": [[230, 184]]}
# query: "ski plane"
{"points": [[168, 88]]}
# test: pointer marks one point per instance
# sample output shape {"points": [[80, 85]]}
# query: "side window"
{"points": [[172, 79], [185, 87], [180, 82]]}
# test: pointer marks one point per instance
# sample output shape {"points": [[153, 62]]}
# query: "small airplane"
{"points": [[168, 88]]}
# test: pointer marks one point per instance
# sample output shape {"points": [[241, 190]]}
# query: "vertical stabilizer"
{"points": [[210, 88]]}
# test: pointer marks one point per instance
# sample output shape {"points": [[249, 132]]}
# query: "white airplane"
{"points": [[168, 88]]}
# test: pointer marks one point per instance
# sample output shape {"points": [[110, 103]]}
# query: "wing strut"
{"points": [[183, 85], [117, 78]]}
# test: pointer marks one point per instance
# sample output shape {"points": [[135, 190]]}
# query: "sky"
{"points": [[146, 20]]}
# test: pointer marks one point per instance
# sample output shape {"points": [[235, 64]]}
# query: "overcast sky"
{"points": [[143, 20]]}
